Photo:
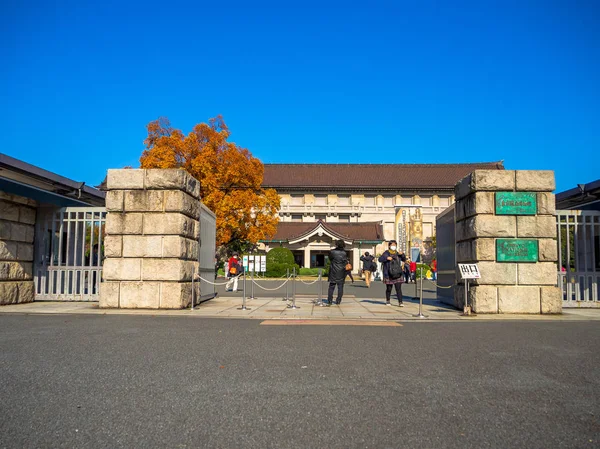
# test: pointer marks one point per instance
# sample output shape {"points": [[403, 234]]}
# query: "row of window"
{"points": [[370, 200], [323, 217]]}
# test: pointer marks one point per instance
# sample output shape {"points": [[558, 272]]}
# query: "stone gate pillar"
{"points": [[505, 223], [151, 243]]}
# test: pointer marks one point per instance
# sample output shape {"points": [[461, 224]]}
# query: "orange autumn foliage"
{"points": [[230, 177]]}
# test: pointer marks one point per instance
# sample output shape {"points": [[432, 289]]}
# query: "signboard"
{"points": [[516, 203], [263, 264], [251, 266], [469, 271], [516, 250], [245, 261]]}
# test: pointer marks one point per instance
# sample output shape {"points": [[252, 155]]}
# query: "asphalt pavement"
{"points": [[140, 381]]}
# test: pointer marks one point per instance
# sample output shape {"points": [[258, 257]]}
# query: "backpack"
{"points": [[395, 268]]}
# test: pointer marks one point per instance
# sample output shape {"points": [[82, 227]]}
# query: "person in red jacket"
{"points": [[413, 271], [434, 269], [234, 269]]}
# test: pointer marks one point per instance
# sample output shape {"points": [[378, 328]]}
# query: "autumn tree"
{"points": [[230, 177]]}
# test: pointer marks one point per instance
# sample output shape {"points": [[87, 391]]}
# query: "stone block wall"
{"points": [[17, 225], [151, 243], [507, 287]]}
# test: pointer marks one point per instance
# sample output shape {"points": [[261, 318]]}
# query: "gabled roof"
{"points": [[370, 176], [349, 232]]}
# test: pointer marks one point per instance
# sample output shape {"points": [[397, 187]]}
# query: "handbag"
{"points": [[348, 266]]}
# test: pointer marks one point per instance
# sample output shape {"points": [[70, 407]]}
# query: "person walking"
{"points": [[234, 269], [349, 273], [368, 269], [434, 269], [337, 272], [413, 271], [406, 271], [393, 267]]}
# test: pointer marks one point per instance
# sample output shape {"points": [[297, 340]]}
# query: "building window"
{"points": [[425, 201], [344, 218], [297, 200], [322, 217], [320, 200], [343, 200], [296, 217], [369, 200], [444, 201], [388, 200]]}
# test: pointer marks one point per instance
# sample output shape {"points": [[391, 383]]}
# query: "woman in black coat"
{"points": [[386, 258], [337, 272]]}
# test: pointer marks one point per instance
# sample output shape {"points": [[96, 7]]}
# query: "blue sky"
{"points": [[306, 82]]}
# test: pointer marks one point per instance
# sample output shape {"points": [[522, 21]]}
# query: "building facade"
{"points": [[362, 204]]}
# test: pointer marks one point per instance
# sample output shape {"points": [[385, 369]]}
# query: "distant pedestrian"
{"points": [[413, 271], [434, 269], [368, 267], [406, 271], [349, 271], [393, 270], [337, 272], [234, 269]]}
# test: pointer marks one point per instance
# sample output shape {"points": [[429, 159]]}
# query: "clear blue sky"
{"points": [[312, 82]]}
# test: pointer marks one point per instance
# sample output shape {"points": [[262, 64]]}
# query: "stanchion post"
{"points": [[420, 314], [320, 286], [294, 289], [252, 287], [287, 279], [244, 295], [193, 276]]}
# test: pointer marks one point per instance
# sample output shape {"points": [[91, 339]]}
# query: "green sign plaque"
{"points": [[516, 250], [516, 203]]}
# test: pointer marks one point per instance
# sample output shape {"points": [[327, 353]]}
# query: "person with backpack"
{"points": [[393, 271], [234, 269], [368, 267]]}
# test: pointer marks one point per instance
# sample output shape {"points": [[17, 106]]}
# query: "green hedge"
{"points": [[425, 268], [310, 271], [275, 270], [279, 260]]}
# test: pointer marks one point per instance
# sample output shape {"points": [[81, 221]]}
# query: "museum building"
{"points": [[362, 204]]}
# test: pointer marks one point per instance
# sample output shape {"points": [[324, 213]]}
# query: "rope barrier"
{"points": [[309, 283], [439, 286], [216, 283], [270, 289]]}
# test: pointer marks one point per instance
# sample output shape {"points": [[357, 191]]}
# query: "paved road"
{"points": [[122, 381]]}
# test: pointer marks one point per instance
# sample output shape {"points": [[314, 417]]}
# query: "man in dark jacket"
{"points": [[337, 272], [368, 267]]}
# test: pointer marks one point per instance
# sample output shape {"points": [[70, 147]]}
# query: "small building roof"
{"points": [[364, 232], [370, 176], [582, 197], [20, 178]]}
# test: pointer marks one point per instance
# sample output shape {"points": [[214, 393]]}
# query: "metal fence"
{"points": [[69, 249], [578, 234]]}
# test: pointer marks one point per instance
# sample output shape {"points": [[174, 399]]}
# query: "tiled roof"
{"points": [[370, 176], [372, 231]]}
